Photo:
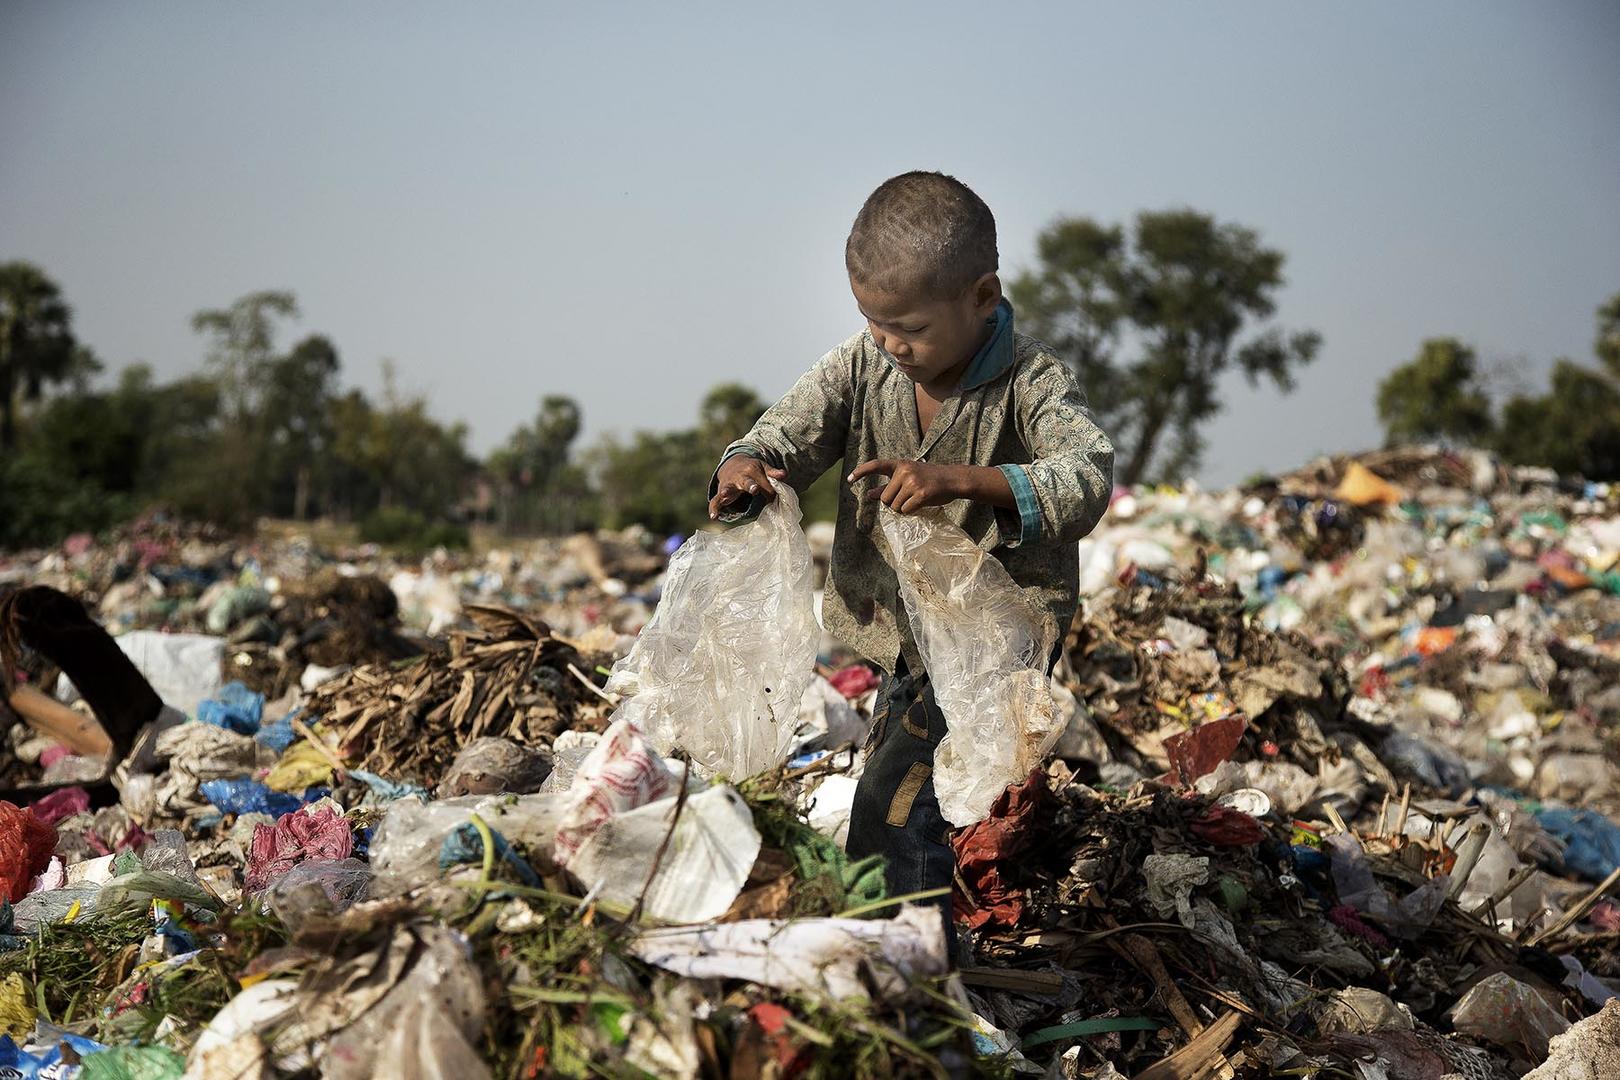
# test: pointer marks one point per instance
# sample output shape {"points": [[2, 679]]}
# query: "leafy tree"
{"points": [[529, 469], [1187, 298], [724, 416], [1435, 396], [37, 347], [656, 479], [1573, 428], [296, 420], [1607, 346], [398, 455], [242, 344]]}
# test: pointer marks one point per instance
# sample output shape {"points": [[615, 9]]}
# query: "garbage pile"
{"points": [[1323, 784]]}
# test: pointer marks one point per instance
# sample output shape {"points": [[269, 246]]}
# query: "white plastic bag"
{"points": [[699, 871], [720, 669], [985, 649], [182, 668]]}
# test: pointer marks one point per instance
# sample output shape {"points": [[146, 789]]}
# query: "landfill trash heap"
{"points": [[1324, 784]]}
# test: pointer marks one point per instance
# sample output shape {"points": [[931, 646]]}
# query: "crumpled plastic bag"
{"points": [[831, 959], [1592, 841], [985, 650], [405, 849], [319, 888], [703, 868], [182, 668], [1170, 882], [409, 1008], [235, 708], [1356, 886], [620, 773], [1502, 1010], [133, 1063], [314, 832], [720, 669]]}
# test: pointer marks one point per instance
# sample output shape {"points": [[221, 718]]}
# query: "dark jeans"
{"points": [[895, 813]]}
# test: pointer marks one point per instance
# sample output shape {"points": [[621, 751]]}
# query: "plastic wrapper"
{"points": [[1502, 1010], [720, 670], [834, 959], [985, 650], [491, 764], [406, 847], [319, 888], [165, 852]]}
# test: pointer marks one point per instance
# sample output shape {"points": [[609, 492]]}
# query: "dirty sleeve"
{"points": [[1067, 483], [806, 433]]}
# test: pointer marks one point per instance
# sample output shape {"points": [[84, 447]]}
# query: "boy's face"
{"points": [[931, 341]]}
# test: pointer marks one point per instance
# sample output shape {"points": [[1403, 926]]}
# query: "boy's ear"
{"points": [[986, 293]]}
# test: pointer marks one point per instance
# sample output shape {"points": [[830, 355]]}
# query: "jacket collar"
{"points": [[995, 356]]}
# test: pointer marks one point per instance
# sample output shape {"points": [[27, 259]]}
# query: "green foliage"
{"points": [[1187, 297], [661, 479], [407, 530], [1573, 428], [537, 489], [37, 346], [1435, 396]]}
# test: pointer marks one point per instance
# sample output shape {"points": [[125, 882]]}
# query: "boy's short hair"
{"points": [[922, 232]]}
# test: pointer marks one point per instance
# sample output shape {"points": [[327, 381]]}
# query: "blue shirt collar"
{"points": [[995, 356]]}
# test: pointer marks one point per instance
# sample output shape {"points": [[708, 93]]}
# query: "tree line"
{"points": [[1149, 313]]}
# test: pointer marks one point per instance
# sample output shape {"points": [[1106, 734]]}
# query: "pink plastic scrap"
{"points": [[61, 804], [294, 838]]}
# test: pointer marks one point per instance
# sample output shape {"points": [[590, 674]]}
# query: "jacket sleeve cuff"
{"points": [[1029, 511], [755, 503]]}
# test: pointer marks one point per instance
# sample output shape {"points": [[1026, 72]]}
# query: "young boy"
{"points": [[938, 402]]}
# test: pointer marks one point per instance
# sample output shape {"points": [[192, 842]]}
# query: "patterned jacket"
{"points": [[1017, 407]]}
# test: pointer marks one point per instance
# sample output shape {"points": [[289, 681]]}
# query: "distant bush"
{"points": [[39, 508], [407, 530]]}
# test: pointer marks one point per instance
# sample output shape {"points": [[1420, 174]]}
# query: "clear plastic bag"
{"points": [[405, 850], [318, 888], [985, 649], [721, 668]]}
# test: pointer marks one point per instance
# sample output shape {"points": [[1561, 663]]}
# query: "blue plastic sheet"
{"points": [[235, 708], [1592, 840], [388, 790], [250, 796], [278, 734]]}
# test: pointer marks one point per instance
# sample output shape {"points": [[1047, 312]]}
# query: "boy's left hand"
{"points": [[912, 485]]}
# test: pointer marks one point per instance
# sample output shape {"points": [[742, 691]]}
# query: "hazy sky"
{"points": [[629, 203]]}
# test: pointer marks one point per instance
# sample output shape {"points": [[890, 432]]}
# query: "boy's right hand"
{"points": [[742, 477]]}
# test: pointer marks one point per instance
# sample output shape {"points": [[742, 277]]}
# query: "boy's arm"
{"points": [[798, 438], [1065, 489]]}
